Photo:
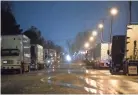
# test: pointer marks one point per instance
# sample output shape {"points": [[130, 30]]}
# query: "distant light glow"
{"points": [[91, 38], [87, 71], [68, 58], [27, 55], [86, 45], [94, 33], [48, 61], [26, 47], [83, 52], [100, 26], [114, 11]]}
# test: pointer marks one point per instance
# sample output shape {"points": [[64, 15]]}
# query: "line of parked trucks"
{"points": [[17, 54], [120, 55]]}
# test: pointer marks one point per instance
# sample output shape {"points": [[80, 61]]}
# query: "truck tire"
{"points": [[38, 67], [22, 68], [43, 66], [112, 71], [21, 71]]}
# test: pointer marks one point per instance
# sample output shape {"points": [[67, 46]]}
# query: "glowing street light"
{"points": [[94, 33], [91, 38], [101, 26], [114, 11], [86, 45], [68, 58]]}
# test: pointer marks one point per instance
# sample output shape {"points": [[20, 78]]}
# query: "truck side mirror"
{"points": [[108, 52], [135, 43]]}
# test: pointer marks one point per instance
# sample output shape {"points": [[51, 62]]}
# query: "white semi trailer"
{"points": [[132, 34], [15, 53], [125, 52], [100, 55], [37, 57]]}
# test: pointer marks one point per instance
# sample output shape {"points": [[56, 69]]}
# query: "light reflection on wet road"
{"points": [[69, 79], [96, 81]]}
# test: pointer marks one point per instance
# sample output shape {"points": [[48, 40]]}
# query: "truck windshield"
{"points": [[9, 52]]}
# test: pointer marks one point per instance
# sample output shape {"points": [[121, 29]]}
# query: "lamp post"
{"points": [[113, 12], [101, 26]]}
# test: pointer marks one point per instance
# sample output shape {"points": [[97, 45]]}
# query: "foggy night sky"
{"points": [[62, 20]]}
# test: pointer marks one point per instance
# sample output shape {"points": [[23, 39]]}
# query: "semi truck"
{"points": [[37, 57], [89, 55], [15, 53], [50, 57], [117, 53], [100, 55], [131, 66], [124, 50]]}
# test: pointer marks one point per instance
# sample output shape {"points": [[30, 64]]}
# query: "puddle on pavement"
{"points": [[102, 86], [92, 88], [64, 84], [69, 85]]}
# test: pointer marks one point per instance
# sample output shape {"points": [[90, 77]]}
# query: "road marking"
{"points": [[49, 78], [42, 80]]}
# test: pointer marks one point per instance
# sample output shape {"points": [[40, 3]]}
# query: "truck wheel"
{"points": [[15, 72], [23, 70], [43, 66], [111, 71], [38, 67]]}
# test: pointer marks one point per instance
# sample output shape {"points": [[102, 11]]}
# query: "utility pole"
{"points": [[130, 4], [69, 45], [129, 22]]}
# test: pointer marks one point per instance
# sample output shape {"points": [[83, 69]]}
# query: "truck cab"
{"points": [[15, 53]]}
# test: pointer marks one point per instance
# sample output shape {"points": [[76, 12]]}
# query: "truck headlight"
{"points": [[4, 61], [48, 61]]}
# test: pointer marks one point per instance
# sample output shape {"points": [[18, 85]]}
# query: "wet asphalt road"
{"points": [[71, 78]]}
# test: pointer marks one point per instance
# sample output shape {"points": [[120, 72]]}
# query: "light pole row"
{"points": [[113, 12]]}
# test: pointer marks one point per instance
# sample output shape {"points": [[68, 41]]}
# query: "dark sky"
{"points": [[59, 21]]}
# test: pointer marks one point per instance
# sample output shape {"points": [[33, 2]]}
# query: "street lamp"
{"points": [[114, 11], [86, 45], [101, 26], [94, 33], [91, 38]]}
